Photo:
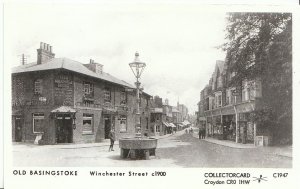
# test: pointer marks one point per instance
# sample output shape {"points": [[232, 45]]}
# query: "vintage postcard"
{"points": [[150, 95]]}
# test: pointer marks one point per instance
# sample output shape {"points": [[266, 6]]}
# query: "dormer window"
{"points": [[38, 86]]}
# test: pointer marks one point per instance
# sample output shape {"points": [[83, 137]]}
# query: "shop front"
{"points": [[229, 127], [246, 128], [64, 119]]}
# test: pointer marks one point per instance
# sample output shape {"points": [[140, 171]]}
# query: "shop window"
{"points": [[38, 86], [107, 95], [88, 88], [152, 118], [87, 124], [38, 122], [123, 123]]}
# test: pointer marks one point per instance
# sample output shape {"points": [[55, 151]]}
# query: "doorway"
{"points": [[18, 129], [107, 126], [64, 130]]}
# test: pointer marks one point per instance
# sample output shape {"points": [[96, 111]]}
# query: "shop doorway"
{"points": [[107, 126], [18, 129], [64, 130]]}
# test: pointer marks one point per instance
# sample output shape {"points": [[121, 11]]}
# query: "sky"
{"points": [[177, 42]]}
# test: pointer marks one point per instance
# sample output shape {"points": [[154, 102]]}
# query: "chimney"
{"points": [[166, 102], [95, 67], [44, 53]]}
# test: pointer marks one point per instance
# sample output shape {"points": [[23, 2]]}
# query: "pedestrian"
{"points": [[203, 133], [186, 131], [200, 133], [112, 138]]}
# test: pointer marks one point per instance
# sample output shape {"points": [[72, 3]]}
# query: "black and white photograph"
{"points": [[149, 86]]}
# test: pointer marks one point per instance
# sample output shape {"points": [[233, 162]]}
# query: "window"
{"points": [[147, 123], [232, 97], [107, 95], [157, 128], [38, 86], [88, 88], [220, 100], [87, 124], [38, 122], [123, 123], [123, 97]]}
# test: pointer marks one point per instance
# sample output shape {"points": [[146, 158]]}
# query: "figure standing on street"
{"points": [[200, 133], [112, 138], [203, 133]]}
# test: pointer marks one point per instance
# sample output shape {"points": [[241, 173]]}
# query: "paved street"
{"points": [[179, 150]]}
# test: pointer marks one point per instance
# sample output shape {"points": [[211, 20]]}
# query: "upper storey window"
{"points": [[38, 86]]}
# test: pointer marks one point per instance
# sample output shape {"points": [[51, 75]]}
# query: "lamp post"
{"points": [[137, 68]]}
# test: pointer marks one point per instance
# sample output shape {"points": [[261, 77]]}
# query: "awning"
{"points": [[64, 109], [167, 124], [107, 110], [186, 122], [180, 125], [172, 125]]}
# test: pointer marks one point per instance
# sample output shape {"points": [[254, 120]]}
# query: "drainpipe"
{"points": [[236, 125]]}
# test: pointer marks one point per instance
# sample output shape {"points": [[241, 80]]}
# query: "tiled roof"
{"points": [[71, 65]]}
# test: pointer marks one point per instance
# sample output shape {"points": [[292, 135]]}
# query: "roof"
{"points": [[174, 110], [220, 65], [71, 65], [186, 122]]}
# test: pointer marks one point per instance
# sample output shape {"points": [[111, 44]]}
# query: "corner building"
{"points": [[59, 100]]}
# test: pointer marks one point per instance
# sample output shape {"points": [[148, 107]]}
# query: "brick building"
{"points": [[227, 109], [59, 100]]}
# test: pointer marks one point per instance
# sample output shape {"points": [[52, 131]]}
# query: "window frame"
{"points": [[123, 97], [37, 116], [107, 95], [88, 88], [123, 118], [38, 86], [86, 116]]}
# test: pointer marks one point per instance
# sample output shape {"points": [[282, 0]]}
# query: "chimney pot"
{"points": [[44, 53]]}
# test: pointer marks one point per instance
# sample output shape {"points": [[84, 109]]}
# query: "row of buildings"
{"points": [[226, 111], [59, 100]]}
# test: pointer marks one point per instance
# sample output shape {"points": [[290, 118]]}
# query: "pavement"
{"points": [[286, 151], [105, 142]]}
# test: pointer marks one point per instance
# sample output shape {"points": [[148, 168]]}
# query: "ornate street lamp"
{"points": [[137, 68]]}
